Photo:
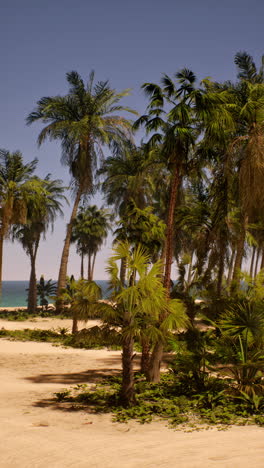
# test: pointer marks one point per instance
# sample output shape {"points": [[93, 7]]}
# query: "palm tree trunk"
{"points": [[156, 357], [82, 265], [89, 273], [221, 266], [230, 271], [32, 291], [123, 271], [127, 394], [189, 278], [252, 261], [170, 228], [256, 265], [155, 363], [74, 326], [93, 263], [1, 259], [240, 248], [65, 252], [220, 275], [145, 356], [262, 260]]}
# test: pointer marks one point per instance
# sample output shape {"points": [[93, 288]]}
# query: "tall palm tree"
{"points": [[128, 178], [90, 229], [42, 209], [177, 115], [83, 121], [248, 144], [15, 189], [174, 132]]}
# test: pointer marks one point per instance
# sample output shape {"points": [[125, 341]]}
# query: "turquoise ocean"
{"points": [[14, 293]]}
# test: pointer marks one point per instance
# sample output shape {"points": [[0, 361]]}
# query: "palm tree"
{"points": [[141, 227], [138, 304], [90, 229], [128, 179], [174, 134], [82, 296], [15, 188], [45, 289], [42, 209], [241, 344], [248, 144], [247, 69], [128, 175], [83, 121]]}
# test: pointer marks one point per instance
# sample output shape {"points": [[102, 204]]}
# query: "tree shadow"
{"points": [[89, 376], [74, 378]]}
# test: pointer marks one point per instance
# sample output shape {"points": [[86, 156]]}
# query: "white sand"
{"points": [[44, 324], [34, 434]]}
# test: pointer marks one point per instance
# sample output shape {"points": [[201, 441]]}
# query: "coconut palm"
{"points": [[15, 189], [248, 147], [43, 206], [83, 121], [141, 226], [127, 176], [247, 69], [128, 179], [174, 133], [90, 229]]}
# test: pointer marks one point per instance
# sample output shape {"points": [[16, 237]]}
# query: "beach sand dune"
{"points": [[35, 434]]}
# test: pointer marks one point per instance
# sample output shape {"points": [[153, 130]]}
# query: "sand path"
{"points": [[36, 435]]}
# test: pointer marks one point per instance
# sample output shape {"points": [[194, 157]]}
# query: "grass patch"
{"points": [[27, 334], [92, 338], [21, 315]]}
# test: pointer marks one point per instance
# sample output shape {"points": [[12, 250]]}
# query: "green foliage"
{"points": [[90, 229], [164, 401], [27, 334], [82, 296], [240, 345], [145, 301], [92, 338], [84, 121], [21, 315], [141, 226], [194, 357], [45, 290]]}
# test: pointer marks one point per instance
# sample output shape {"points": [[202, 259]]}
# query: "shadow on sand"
{"points": [[89, 376]]}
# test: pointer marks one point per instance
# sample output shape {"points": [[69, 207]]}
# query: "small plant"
{"points": [[63, 330], [45, 290], [63, 395]]}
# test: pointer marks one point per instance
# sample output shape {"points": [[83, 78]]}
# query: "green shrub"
{"points": [[163, 401]]}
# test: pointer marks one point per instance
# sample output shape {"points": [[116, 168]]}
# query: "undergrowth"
{"points": [[21, 315], [165, 401], [92, 338]]}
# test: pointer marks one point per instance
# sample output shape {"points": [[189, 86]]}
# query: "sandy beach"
{"points": [[36, 434]]}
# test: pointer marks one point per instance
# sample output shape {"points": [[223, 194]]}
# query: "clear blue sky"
{"points": [[126, 42]]}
